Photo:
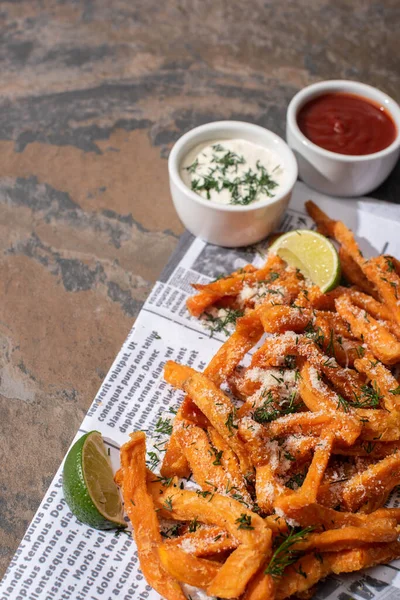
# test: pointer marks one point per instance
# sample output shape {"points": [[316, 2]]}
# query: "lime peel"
{"points": [[313, 254], [88, 484]]}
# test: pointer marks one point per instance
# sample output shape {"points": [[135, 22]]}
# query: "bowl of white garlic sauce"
{"points": [[231, 181]]}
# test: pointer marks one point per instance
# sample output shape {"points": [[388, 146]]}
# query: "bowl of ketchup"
{"points": [[345, 135]]}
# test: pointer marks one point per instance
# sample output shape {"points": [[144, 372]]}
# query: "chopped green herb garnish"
{"points": [[153, 461], [218, 324], [370, 397], [244, 521], [389, 263], [284, 554], [296, 481], [163, 426], [230, 423], [167, 504], [342, 403], [360, 351], [171, 531], [193, 525], [165, 481], [218, 456]]}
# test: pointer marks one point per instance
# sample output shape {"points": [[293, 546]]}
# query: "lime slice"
{"points": [[88, 484], [313, 254]]}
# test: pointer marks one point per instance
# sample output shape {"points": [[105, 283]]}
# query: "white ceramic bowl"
{"points": [[341, 174], [225, 224]]}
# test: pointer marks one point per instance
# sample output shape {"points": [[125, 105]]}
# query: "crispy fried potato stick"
{"points": [[384, 345], [267, 486], [274, 349], [261, 586], [379, 311], [213, 403], [201, 458], [174, 462], [315, 394], [346, 427], [232, 285], [385, 385], [348, 382], [248, 332], [247, 527], [188, 568], [316, 515], [377, 479], [234, 481], [381, 270], [279, 319], [325, 224], [336, 230], [307, 494], [140, 509], [354, 274], [347, 561], [347, 538], [368, 449], [206, 541], [378, 425]]}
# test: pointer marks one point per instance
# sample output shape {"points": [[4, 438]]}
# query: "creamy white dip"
{"points": [[232, 171]]}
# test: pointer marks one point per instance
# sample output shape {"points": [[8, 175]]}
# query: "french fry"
{"points": [[378, 425], [248, 332], [261, 586], [315, 394], [278, 319], [349, 383], [247, 527], [201, 458], [232, 285], [379, 311], [188, 568], [174, 462], [140, 509], [207, 541], [325, 225], [235, 484], [384, 345], [336, 540], [308, 492], [354, 274], [214, 404], [382, 272], [256, 440], [384, 384], [369, 449], [379, 478], [318, 567]]}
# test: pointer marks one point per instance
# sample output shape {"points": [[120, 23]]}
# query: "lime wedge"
{"points": [[88, 484], [313, 254]]}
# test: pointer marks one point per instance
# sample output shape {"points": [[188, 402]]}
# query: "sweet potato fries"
{"points": [[294, 466]]}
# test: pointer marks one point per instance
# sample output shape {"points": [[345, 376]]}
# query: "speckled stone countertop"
{"points": [[93, 94]]}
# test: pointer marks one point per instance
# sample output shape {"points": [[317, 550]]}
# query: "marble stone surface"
{"points": [[93, 95]]}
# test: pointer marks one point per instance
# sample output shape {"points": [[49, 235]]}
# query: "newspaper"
{"points": [[60, 558]]}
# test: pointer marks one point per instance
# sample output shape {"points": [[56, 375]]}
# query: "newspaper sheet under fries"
{"points": [[59, 558]]}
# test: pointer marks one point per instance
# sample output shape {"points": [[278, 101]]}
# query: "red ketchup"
{"points": [[346, 124]]}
